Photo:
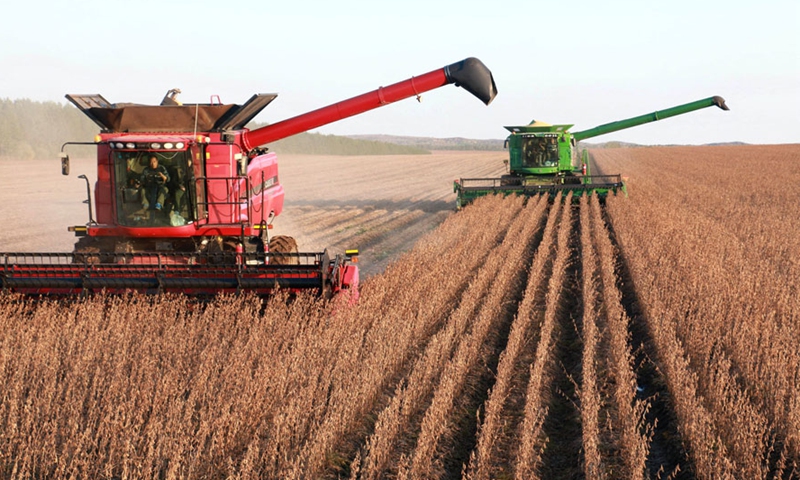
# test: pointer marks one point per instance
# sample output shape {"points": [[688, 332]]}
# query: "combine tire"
{"points": [[283, 244]]}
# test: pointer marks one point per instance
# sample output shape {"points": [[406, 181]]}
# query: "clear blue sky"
{"points": [[580, 62]]}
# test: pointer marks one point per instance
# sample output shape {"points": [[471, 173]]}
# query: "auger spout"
{"points": [[470, 74]]}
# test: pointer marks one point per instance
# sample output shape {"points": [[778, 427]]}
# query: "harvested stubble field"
{"points": [[655, 336]]}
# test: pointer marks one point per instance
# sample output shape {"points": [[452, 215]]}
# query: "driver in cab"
{"points": [[154, 183]]}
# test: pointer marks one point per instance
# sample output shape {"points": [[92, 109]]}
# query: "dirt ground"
{"points": [[37, 203], [378, 204]]}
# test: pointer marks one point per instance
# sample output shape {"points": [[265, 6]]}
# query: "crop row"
{"points": [[715, 265], [544, 338], [447, 363]]}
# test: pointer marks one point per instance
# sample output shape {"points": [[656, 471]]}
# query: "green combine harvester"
{"points": [[543, 159]]}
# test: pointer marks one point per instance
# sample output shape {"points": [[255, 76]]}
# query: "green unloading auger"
{"points": [[543, 158], [650, 117]]}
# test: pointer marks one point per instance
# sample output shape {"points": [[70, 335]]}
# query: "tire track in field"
{"points": [[381, 229], [325, 192]]}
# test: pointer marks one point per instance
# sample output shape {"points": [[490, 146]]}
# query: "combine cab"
{"points": [[543, 159], [186, 195]]}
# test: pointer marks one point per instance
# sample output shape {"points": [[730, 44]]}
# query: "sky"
{"points": [[580, 62]]}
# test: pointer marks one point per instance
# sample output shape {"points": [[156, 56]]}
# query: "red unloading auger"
{"points": [[470, 74]]}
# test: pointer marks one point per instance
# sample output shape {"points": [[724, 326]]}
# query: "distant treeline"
{"points": [[30, 129], [429, 143]]}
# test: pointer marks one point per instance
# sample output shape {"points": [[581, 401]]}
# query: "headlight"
{"points": [[168, 145], [130, 145], [155, 145], [179, 145], [118, 145]]}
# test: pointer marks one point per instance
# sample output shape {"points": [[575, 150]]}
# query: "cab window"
{"points": [[154, 188], [539, 152]]}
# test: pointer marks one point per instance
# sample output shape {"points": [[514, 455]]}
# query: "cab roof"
{"points": [[539, 127]]}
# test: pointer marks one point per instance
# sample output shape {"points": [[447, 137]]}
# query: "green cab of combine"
{"points": [[539, 149]]}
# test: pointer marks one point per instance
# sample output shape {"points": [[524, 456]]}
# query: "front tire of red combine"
{"points": [[283, 244]]}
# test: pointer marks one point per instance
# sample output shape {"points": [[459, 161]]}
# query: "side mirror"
{"points": [[64, 163]]}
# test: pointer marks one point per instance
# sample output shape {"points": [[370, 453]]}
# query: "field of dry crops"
{"points": [[654, 336]]}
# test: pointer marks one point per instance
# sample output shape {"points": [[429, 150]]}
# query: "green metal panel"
{"points": [[565, 153]]}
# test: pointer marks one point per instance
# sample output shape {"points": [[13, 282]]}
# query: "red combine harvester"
{"points": [[185, 197]]}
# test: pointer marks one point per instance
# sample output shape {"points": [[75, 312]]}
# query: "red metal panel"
{"points": [[266, 194], [350, 277], [220, 169], [185, 231]]}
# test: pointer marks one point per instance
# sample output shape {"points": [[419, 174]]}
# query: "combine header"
{"points": [[543, 158], [186, 195]]}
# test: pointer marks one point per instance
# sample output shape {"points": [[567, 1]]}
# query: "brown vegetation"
{"points": [[714, 257], [510, 342]]}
